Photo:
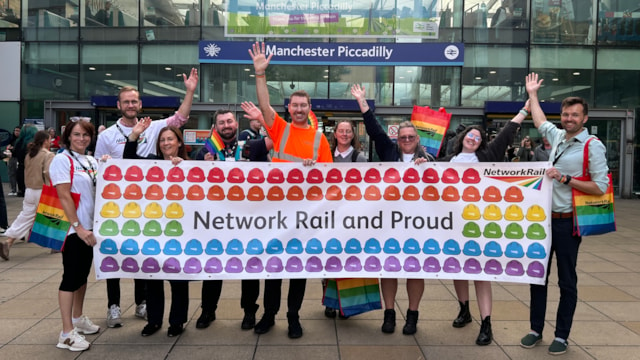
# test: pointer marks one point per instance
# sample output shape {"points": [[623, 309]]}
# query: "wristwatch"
{"points": [[75, 224]]}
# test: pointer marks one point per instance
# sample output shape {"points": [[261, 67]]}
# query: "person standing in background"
{"points": [[13, 162], [26, 136]]}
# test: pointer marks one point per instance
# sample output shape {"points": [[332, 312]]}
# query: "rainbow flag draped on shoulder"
{"points": [[432, 126]]}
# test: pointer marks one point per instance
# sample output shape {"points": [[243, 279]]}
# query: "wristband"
{"points": [[260, 74], [567, 179], [524, 112]]}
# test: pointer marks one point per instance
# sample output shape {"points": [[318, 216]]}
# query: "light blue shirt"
{"points": [[568, 157]]}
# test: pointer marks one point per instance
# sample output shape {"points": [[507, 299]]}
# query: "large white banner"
{"points": [[240, 220]]}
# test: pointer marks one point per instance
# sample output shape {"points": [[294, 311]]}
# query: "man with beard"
{"points": [[293, 142], [111, 142], [567, 157], [226, 126]]}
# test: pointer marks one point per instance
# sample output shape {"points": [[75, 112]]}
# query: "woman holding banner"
{"points": [[406, 150], [471, 146], [74, 172], [169, 146]]}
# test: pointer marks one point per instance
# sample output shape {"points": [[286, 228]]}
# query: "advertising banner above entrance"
{"points": [[389, 54], [337, 18]]}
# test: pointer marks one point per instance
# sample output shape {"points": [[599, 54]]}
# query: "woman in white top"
{"points": [[72, 171]]}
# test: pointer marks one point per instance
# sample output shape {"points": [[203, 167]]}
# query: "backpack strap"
{"points": [[354, 155]]}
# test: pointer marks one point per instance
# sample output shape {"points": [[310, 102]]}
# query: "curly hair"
{"points": [[457, 148]]}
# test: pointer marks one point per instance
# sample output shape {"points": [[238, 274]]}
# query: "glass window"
{"points": [[496, 21], [619, 23], [162, 67], [617, 78], [104, 20], [421, 85], [566, 72], [106, 68], [563, 21], [50, 20], [9, 14], [171, 20], [50, 71], [493, 73]]}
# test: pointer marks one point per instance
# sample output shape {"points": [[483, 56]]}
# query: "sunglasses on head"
{"points": [[80, 118]]}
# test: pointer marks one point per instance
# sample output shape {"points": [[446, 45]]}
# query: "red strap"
{"points": [[70, 172], [585, 160]]}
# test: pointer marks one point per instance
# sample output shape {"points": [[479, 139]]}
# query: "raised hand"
{"points": [[191, 82], [532, 83], [252, 111], [260, 60], [142, 125], [358, 91]]}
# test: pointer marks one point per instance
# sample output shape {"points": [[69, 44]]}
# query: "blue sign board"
{"points": [[369, 54]]}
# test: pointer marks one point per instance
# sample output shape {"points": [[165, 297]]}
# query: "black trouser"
{"points": [[273, 294], [179, 301], [565, 247], [211, 290], [113, 291]]}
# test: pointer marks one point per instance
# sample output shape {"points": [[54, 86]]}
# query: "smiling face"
{"points": [[344, 135], [129, 104], [226, 125], [299, 108], [79, 139], [471, 141], [573, 119], [408, 140], [169, 144]]}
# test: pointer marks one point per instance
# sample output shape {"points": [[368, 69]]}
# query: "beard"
{"points": [[227, 136]]}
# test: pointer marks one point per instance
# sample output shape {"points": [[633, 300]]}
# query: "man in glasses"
{"points": [[111, 142], [567, 159]]}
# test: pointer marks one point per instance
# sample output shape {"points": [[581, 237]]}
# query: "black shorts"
{"points": [[76, 262]]}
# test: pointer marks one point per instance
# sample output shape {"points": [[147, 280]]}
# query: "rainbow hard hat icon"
{"points": [[492, 213], [132, 211], [110, 210], [153, 211], [513, 213], [471, 212], [174, 211], [536, 213]]}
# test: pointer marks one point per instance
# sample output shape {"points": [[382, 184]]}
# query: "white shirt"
{"points": [[465, 158], [343, 154], [111, 141], [59, 172]]}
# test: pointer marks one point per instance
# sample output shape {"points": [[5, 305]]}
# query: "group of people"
{"points": [[72, 171]]}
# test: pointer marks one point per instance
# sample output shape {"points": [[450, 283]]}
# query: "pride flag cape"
{"points": [[312, 120], [432, 126], [353, 296], [215, 145]]}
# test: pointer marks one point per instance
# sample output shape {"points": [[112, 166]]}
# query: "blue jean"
{"points": [[565, 246]]}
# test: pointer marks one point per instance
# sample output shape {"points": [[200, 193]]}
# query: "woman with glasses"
{"points": [[472, 147], [407, 149]]}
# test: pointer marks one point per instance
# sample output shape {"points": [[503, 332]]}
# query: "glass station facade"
{"points": [[71, 51]]}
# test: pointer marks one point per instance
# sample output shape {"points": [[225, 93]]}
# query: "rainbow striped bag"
{"points": [[353, 296], [431, 126], [51, 225], [592, 214]]}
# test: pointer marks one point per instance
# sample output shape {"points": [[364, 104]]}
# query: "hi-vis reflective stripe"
{"points": [[280, 154]]}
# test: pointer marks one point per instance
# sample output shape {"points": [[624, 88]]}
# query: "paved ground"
{"points": [[606, 326]]}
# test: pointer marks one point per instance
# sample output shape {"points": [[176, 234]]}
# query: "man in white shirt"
{"points": [[111, 142]]}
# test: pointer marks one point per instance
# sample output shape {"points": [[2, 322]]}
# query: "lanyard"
{"points": [[126, 137], [91, 171]]}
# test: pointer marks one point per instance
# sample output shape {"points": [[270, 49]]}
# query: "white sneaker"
{"points": [[141, 310], [86, 326], [114, 319], [13, 193], [73, 342]]}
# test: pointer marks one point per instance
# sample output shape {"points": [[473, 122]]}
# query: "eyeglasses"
{"points": [[80, 118], [407, 138], [345, 132], [473, 137]]}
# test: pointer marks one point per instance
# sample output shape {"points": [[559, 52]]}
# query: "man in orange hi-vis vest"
{"points": [[292, 142]]}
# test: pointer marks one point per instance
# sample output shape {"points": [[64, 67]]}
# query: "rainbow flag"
{"points": [[353, 296], [215, 145], [312, 120], [432, 126]]}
